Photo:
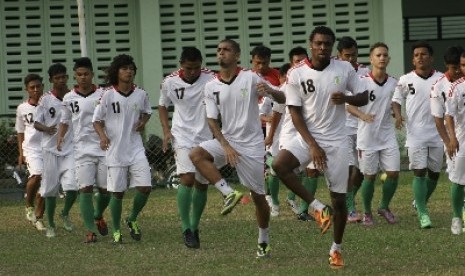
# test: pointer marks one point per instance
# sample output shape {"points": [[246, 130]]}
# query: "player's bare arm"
{"points": [[62, 129], [453, 142], [317, 153], [232, 156], [167, 136], [396, 108], [276, 117], [353, 110], [359, 99], [99, 127], [43, 128], [143, 119], [265, 90], [442, 130], [20, 138]]}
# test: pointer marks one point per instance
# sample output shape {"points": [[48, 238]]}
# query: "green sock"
{"points": [[138, 204], [86, 205], [389, 189], [290, 195], [419, 193], [70, 198], [350, 201], [431, 185], [184, 200], [310, 184], [456, 196], [50, 205], [199, 200], [273, 186], [101, 203], [116, 207], [367, 189]]}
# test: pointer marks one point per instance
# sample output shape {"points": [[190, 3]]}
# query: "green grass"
{"points": [[228, 243]]}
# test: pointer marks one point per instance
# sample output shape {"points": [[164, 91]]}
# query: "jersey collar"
{"points": [[54, 93], [94, 88], [238, 70], [133, 87], [29, 102], [428, 76], [181, 75], [310, 64], [378, 83]]}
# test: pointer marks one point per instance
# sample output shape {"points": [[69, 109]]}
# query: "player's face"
{"points": [[35, 89], [226, 55], [422, 59], [462, 65], [297, 58], [59, 81], [379, 58], [191, 69], [454, 71], [349, 54], [321, 47], [83, 77], [260, 64], [126, 73]]}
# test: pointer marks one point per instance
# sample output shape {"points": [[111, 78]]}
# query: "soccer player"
{"points": [[58, 164], [347, 50], [439, 95], [455, 123], [121, 115], [261, 56], [315, 98], [29, 148], [234, 94], [425, 148], [184, 89], [376, 137], [91, 168]]}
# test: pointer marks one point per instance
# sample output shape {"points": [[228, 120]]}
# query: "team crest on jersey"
{"points": [[337, 80], [244, 92], [135, 107]]}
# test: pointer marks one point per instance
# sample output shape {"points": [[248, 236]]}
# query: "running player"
{"points": [[347, 49], [29, 148], [234, 94], [58, 164], [91, 168], [455, 123], [425, 148], [184, 89], [123, 111], [376, 137], [315, 98]]}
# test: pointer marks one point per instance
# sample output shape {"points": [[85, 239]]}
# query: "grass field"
{"points": [[228, 243]]}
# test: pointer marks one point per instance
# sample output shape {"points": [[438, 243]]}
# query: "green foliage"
{"points": [[228, 243]]}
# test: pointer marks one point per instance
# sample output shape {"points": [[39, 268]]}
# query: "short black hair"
{"points": [[261, 51], [297, 51], [233, 44], [190, 54], [56, 69], [346, 42], [377, 45], [423, 44], [32, 77], [284, 68], [118, 62], [83, 62], [324, 31], [452, 55]]}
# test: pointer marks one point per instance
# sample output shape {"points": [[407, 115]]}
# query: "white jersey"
{"points": [[237, 102], [25, 116], [438, 96], [189, 124], [49, 114], [278, 108], [78, 110], [265, 107], [120, 113], [379, 134], [455, 107], [416, 90], [312, 89], [352, 121]]}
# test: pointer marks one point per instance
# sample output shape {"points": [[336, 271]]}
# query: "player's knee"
{"points": [[145, 190], [196, 155]]}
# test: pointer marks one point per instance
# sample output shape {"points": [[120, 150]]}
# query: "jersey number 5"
{"points": [[411, 89], [308, 86]]}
